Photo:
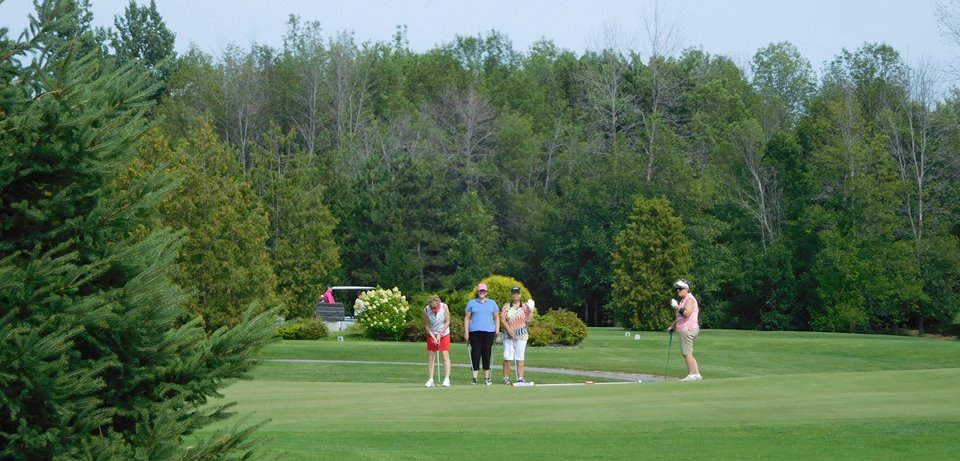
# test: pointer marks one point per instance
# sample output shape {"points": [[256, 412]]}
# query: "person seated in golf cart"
{"points": [[328, 295]]}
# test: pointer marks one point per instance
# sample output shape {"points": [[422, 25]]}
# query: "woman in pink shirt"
{"points": [[687, 325], [328, 295]]}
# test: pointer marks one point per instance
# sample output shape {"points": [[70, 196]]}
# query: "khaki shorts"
{"points": [[686, 340]]}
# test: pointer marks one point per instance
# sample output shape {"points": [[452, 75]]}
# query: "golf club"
{"points": [[436, 358], [669, 346]]}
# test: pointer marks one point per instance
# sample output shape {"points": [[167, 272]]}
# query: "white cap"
{"points": [[681, 283]]}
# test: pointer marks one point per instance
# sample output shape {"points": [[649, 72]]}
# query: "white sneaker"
{"points": [[699, 378], [446, 382], [429, 383], [690, 378]]}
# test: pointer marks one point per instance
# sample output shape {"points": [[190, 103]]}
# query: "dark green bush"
{"points": [[304, 329], [567, 329], [315, 329], [291, 330], [457, 300], [541, 336], [414, 331]]}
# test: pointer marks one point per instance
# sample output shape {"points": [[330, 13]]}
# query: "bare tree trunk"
{"points": [[306, 113], [910, 134], [762, 199], [603, 87], [351, 75], [662, 41], [243, 101], [465, 128]]}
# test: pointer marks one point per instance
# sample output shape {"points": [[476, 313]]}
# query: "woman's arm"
{"points": [[446, 316], [503, 321], [426, 323], [689, 306]]}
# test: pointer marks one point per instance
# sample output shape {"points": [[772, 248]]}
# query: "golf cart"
{"points": [[335, 314]]}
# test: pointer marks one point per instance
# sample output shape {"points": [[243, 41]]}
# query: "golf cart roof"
{"points": [[346, 287]]}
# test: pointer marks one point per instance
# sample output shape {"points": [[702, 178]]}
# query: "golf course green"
{"points": [[765, 396]]}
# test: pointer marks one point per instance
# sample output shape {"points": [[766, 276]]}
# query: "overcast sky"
{"points": [[735, 28]]}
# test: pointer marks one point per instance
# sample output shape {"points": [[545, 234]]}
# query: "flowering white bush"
{"points": [[385, 315]]}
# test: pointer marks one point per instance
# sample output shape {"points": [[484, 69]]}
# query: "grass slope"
{"points": [[767, 396]]}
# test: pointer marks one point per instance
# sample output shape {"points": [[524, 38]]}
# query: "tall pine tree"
{"points": [[651, 252], [305, 256], [225, 258], [97, 359]]}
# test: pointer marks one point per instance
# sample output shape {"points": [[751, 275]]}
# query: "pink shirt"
{"points": [[328, 297], [689, 323]]}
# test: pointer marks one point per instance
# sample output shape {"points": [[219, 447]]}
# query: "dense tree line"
{"points": [[158, 211], [808, 203]]}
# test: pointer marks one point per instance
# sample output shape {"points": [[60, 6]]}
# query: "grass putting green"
{"points": [[765, 396]]}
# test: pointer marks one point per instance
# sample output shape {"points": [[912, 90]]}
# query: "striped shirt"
{"points": [[517, 317]]}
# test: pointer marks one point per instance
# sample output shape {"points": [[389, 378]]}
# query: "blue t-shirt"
{"points": [[482, 314]]}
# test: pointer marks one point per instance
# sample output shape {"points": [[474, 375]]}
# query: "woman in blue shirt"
{"points": [[480, 327]]}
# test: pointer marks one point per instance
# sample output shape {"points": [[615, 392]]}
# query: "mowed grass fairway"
{"points": [[766, 396]]}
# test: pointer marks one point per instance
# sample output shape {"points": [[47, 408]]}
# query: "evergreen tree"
{"points": [[96, 359], [305, 256], [142, 34], [473, 248], [225, 257], [651, 252]]}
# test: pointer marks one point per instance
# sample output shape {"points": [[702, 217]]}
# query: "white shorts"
{"points": [[508, 348]]}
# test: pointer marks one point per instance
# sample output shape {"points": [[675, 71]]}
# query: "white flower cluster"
{"points": [[386, 312]]}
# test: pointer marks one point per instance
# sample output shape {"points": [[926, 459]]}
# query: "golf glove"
{"points": [[674, 303]]}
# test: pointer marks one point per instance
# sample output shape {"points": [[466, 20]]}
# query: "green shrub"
{"points": [[304, 329], [414, 331], [315, 329], [386, 314], [457, 300], [541, 336], [355, 330], [292, 330], [567, 329]]}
